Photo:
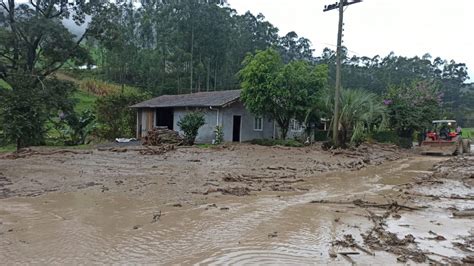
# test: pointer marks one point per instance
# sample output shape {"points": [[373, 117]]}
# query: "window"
{"points": [[295, 126], [258, 124]]}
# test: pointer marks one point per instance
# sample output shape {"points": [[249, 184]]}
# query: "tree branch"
{"points": [[55, 68]]}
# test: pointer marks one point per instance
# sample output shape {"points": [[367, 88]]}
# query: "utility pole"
{"points": [[335, 125]]}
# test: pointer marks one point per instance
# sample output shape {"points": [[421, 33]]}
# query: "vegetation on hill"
{"points": [[182, 46]]}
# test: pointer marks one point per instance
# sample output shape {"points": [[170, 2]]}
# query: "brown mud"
{"points": [[235, 204]]}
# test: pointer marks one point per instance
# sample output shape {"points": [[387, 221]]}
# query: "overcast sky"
{"points": [[408, 27]]}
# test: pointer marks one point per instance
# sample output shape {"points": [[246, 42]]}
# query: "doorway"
{"points": [[236, 128], [164, 117]]}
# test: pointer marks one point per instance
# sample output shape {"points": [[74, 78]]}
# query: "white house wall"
{"points": [[206, 133], [247, 131]]}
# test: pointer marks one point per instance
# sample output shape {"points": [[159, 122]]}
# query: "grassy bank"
{"points": [[468, 133]]}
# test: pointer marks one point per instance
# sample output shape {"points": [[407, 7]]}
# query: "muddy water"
{"points": [[90, 227]]}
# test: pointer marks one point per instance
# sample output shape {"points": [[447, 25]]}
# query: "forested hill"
{"points": [[182, 46]]}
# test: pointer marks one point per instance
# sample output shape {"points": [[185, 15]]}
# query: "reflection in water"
{"points": [[269, 228]]}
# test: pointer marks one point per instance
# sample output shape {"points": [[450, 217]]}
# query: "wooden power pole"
{"points": [[340, 7]]}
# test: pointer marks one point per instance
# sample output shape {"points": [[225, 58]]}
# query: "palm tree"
{"points": [[361, 112]]}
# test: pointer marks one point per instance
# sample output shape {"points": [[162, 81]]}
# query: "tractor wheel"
{"points": [[459, 148], [466, 146]]}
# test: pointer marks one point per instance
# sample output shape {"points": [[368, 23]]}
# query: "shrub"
{"points": [[321, 135], [78, 128], [114, 115], [274, 142], [386, 137], [219, 131], [190, 125]]}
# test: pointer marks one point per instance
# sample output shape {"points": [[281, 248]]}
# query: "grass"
{"points": [[274, 142], [468, 133], [85, 100], [7, 148]]}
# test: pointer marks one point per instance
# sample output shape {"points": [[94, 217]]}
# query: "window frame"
{"points": [[256, 118], [293, 124]]}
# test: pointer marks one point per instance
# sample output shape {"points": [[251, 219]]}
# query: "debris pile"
{"points": [[162, 135], [27, 152]]}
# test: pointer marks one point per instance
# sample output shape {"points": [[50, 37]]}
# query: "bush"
{"points": [[386, 137], [77, 127], [114, 115], [190, 124], [321, 135], [273, 142], [468, 133], [219, 131]]}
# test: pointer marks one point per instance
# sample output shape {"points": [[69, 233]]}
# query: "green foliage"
{"points": [[75, 128], [321, 135], [114, 115], [26, 109], [274, 142], [84, 101], [413, 108], [377, 74], [4, 85], [7, 148], [385, 136], [468, 133], [361, 113], [282, 91], [181, 46], [190, 125], [34, 43], [219, 131]]}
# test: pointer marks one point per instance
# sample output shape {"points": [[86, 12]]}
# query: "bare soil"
{"points": [[178, 174], [243, 204]]}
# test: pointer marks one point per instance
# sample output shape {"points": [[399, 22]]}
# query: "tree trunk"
{"points": [[215, 78], [192, 62], [208, 74], [18, 144]]}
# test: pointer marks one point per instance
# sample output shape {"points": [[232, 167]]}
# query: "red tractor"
{"points": [[443, 138]]}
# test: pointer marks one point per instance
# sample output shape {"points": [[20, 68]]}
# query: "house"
{"points": [[222, 108]]}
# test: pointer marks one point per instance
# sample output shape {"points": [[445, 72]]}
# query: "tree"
{"points": [[34, 44], [361, 113], [413, 108], [25, 110], [190, 125], [282, 91], [76, 127], [115, 116]]}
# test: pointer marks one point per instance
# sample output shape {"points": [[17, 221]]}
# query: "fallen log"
{"points": [[455, 197], [366, 204], [469, 213]]}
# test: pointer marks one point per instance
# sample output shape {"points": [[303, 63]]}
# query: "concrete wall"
{"points": [[206, 133], [226, 118], [247, 131]]}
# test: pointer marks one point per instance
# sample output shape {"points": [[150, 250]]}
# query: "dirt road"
{"points": [[237, 204]]}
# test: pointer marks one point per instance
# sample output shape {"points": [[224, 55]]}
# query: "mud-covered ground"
{"points": [[236, 204], [181, 174]]}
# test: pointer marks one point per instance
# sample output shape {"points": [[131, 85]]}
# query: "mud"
{"points": [[222, 206], [168, 174]]}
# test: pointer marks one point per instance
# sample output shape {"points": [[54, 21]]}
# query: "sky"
{"points": [[407, 27]]}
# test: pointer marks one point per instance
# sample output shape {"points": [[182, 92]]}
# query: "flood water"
{"points": [[270, 228]]}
